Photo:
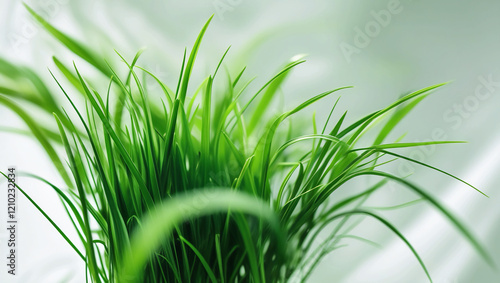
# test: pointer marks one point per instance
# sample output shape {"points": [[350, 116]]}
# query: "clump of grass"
{"points": [[174, 191]]}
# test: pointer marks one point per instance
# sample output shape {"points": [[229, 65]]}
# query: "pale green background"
{"points": [[427, 42]]}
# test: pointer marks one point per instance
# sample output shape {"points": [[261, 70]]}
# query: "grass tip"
{"points": [[299, 57]]}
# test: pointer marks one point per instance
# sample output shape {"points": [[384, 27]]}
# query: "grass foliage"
{"points": [[177, 192]]}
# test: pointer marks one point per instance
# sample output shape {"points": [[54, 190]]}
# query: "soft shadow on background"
{"points": [[383, 48]]}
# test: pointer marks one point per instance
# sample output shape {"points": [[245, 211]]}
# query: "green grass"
{"points": [[175, 192]]}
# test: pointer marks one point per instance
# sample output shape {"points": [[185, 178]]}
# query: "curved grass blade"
{"points": [[59, 230], [190, 62], [76, 47], [392, 106], [404, 145], [156, 226], [392, 228], [471, 238], [434, 168], [91, 257], [40, 136]]}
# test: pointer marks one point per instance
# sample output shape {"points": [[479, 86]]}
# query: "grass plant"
{"points": [[173, 190]]}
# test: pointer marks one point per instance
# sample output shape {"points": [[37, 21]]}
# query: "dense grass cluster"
{"points": [[172, 190]]}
